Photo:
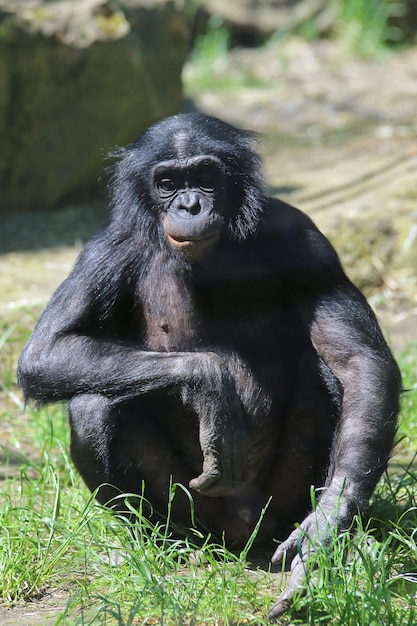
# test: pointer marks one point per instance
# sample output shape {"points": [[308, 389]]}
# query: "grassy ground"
{"points": [[56, 542]]}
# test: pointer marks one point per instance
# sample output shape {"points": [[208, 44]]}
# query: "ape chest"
{"points": [[218, 326], [168, 331], [245, 316], [167, 335], [253, 318]]}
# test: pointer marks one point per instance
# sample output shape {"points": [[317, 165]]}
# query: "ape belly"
{"points": [[153, 443]]}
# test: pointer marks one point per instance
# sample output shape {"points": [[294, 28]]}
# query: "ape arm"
{"points": [[63, 359], [346, 335]]}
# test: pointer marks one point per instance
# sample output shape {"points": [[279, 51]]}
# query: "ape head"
{"points": [[192, 178]]}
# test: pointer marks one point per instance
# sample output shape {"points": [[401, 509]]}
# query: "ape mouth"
{"points": [[195, 247], [182, 240]]}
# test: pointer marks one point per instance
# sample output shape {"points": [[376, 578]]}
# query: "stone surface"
{"points": [[76, 79]]}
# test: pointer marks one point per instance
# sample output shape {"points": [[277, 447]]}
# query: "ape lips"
{"points": [[209, 336], [195, 247]]}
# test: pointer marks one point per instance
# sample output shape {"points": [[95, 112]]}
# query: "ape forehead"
{"points": [[191, 142], [181, 144], [187, 164]]}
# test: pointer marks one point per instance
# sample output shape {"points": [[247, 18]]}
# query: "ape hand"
{"points": [[223, 435], [223, 465], [297, 548], [318, 529]]}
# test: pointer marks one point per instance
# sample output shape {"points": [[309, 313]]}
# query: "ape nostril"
{"points": [[191, 208], [195, 209]]}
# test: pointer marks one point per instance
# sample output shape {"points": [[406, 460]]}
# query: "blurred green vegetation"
{"points": [[363, 27], [366, 27]]}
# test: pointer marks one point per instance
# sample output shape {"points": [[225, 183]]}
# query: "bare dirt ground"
{"points": [[38, 612]]}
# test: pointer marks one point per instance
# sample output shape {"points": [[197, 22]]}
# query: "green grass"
{"points": [[364, 26], [54, 538], [208, 66], [408, 423]]}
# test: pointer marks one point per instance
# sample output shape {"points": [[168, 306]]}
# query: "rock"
{"points": [[404, 18], [78, 77]]}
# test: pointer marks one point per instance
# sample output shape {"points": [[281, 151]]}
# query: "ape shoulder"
{"points": [[297, 244]]}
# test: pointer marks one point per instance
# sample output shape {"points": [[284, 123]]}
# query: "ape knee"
{"points": [[88, 413]]}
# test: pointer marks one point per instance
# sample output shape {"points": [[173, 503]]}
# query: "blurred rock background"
{"points": [[76, 78]]}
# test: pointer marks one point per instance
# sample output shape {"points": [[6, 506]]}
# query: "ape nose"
{"points": [[190, 204]]}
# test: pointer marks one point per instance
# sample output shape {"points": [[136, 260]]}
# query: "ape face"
{"points": [[191, 197]]}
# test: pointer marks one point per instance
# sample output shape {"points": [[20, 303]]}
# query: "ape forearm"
{"points": [[363, 440], [75, 365], [365, 435], [346, 335]]}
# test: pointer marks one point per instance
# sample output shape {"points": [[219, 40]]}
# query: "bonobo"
{"points": [[209, 336]]}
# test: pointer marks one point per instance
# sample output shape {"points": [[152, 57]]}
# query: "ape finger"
{"points": [[215, 479], [223, 441], [202, 482], [287, 548], [211, 486], [296, 584]]}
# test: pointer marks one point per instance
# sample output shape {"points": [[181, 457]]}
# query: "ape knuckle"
{"points": [[33, 372], [25, 370]]}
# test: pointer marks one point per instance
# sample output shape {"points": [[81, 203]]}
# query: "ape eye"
{"points": [[206, 181], [166, 185]]}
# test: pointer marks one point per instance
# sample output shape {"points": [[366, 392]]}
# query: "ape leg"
{"points": [[119, 445], [92, 429], [204, 386]]}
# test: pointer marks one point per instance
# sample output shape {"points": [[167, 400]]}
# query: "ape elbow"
{"points": [[395, 378], [31, 377], [26, 378]]}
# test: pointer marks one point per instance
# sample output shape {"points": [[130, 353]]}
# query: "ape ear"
{"points": [[249, 193], [249, 214], [128, 182], [236, 149]]}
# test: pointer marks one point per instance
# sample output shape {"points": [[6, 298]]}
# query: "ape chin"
{"points": [[208, 335]]}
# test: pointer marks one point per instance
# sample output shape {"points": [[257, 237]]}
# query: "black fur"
{"points": [[257, 371]]}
